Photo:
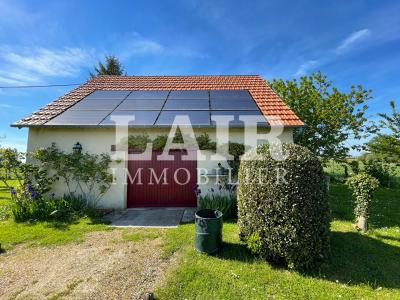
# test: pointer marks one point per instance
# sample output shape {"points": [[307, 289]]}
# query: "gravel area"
{"points": [[104, 266]]}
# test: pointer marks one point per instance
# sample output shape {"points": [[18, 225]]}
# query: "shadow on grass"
{"points": [[64, 224], [235, 251], [385, 210], [60, 225], [359, 259], [355, 259], [98, 221], [341, 201], [390, 238]]}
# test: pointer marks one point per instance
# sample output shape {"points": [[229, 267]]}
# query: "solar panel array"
{"points": [[159, 107]]}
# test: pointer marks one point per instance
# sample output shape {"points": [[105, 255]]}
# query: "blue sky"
{"points": [[58, 42]]}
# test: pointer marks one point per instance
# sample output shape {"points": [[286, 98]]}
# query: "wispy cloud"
{"points": [[305, 67], [329, 55], [21, 66], [5, 105], [46, 62], [135, 44], [352, 39], [15, 15]]}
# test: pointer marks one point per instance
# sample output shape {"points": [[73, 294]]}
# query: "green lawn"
{"points": [[361, 266], [40, 233]]}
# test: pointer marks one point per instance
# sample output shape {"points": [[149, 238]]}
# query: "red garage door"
{"points": [[160, 183]]}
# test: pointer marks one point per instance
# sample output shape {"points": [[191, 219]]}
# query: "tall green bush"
{"points": [[283, 206], [363, 186]]}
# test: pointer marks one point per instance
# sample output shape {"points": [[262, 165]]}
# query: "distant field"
{"points": [[337, 173]]}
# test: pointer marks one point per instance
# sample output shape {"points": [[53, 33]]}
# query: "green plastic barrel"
{"points": [[208, 226]]}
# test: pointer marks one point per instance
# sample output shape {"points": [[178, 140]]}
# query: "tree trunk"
{"points": [[362, 223]]}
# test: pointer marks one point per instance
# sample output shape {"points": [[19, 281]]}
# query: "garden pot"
{"points": [[208, 231]]}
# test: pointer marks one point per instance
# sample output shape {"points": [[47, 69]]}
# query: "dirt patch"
{"points": [[104, 266]]}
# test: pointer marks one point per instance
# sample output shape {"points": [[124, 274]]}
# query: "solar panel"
{"points": [[236, 115], [84, 104], [141, 104], [141, 117], [229, 94], [195, 117], [79, 117], [233, 104], [188, 104], [188, 94], [146, 105], [148, 95], [106, 95]]}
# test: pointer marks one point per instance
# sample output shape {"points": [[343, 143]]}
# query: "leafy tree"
{"points": [[331, 116], [379, 170], [112, 66], [387, 146], [392, 122]]}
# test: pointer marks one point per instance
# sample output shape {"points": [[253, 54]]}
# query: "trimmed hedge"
{"points": [[284, 221]]}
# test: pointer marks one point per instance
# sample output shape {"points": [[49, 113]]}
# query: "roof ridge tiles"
{"points": [[267, 100]]}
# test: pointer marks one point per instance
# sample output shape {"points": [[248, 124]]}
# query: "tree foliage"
{"points": [[379, 170], [392, 122], [387, 146], [112, 66], [331, 116]]}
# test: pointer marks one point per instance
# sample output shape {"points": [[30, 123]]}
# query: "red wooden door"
{"points": [[161, 183]]}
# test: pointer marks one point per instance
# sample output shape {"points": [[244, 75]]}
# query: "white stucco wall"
{"points": [[99, 140]]}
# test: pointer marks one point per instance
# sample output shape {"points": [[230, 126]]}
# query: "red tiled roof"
{"points": [[267, 100]]}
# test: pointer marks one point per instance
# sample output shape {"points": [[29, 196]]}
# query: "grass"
{"points": [[45, 233], [42, 233], [5, 201], [142, 234], [361, 266]]}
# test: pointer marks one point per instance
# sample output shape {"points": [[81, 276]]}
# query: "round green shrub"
{"points": [[283, 206]]}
